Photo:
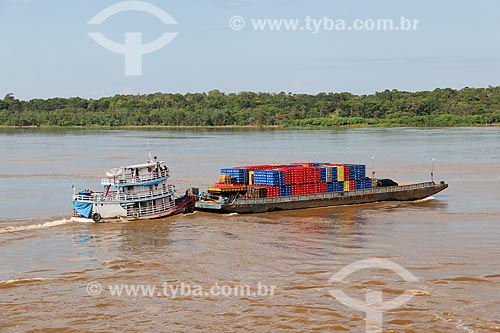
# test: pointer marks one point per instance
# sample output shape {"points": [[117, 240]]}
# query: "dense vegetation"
{"points": [[441, 107]]}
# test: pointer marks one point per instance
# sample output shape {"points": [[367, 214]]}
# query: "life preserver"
{"points": [[149, 169], [96, 217], [135, 215]]}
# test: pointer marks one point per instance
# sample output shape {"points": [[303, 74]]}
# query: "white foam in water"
{"points": [[425, 199], [33, 226], [16, 281]]}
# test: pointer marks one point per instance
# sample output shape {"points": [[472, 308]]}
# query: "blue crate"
{"points": [[285, 190], [360, 171], [338, 187], [241, 175], [335, 174], [357, 171], [323, 174], [335, 187], [269, 177]]}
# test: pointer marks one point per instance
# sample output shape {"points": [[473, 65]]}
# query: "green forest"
{"points": [[441, 107]]}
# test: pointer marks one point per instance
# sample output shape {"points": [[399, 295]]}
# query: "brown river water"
{"points": [[59, 276]]}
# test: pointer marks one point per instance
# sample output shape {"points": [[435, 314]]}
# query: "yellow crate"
{"points": [[346, 185], [340, 173]]}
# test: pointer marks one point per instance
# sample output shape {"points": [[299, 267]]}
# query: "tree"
{"points": [[441, 107], [11, 103]]}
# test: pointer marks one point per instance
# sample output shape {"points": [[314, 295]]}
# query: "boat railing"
{"points": [[129, 179], [332, 195], [132, 212], [122, 196]]}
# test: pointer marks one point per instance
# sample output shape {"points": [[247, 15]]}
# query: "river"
{"points": [[58, 276]]}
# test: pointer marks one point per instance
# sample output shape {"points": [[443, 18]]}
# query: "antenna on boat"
{"points": [[373, 167], [150, 157], [432, 170]]}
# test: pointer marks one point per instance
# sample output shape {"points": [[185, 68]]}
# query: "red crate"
{"points": [[297, 175], [298, 189], [346, 172], [271, 191], [260, 167], [309, 188]]}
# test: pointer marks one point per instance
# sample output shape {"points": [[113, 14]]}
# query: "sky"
{"points": [[46, 50]]}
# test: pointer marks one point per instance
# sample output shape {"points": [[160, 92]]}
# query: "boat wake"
{"points": [[426, 199], [17, 282], [33, 226]]}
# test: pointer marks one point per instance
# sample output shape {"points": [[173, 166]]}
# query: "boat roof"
{"points": [[144, 165]]}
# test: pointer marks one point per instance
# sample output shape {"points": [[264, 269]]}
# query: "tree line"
{"points": [[441, 107]]}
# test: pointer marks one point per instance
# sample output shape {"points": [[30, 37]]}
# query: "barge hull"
{"points": [[261, 205]]}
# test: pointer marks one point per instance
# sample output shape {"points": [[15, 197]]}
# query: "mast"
{"points": [[150, 157]]}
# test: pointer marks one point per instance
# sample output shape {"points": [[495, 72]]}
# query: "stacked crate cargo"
{"points": [[240, 175], [285, 180], [362, 182], [295, 179], [232, 182], [304, 179], [271, 180], [334, 177], [355, 177]]}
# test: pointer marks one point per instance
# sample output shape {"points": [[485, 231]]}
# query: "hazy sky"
{"points": [[46, 51]]}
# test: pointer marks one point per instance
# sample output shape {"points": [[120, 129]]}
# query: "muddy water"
{"points": [[450, 243]]}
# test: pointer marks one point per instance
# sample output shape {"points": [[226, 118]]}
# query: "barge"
{"points": [[266, 188], [411, 192]]}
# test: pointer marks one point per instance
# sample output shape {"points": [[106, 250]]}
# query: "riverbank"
{"points": [[444, 120], [141, 127], [441, 121]]}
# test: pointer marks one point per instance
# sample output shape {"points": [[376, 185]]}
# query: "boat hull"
{"points": [[262, 205], [182, 205]]}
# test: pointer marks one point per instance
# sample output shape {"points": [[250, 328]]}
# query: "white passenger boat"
{"points": [[133, 192]]}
